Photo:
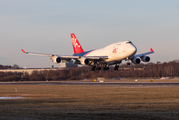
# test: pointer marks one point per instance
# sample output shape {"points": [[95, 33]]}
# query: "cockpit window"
{"points": [[129, 42]]}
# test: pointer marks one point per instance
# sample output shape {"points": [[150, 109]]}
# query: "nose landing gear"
{"points": [[128, 63]]}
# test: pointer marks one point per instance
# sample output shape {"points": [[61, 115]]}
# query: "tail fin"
{"points": [[76, 45]]}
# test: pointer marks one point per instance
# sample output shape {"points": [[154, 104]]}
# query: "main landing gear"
{"points": [[116, 67], [106, 67], [95, 68], [99, 68]]}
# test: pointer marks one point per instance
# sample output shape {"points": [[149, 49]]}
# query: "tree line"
{"points": [[150, 70], [9, 66]]}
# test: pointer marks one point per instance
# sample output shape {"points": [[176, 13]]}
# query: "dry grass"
{"points": [[89, 102]]}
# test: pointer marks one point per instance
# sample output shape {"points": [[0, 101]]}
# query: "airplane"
{"points": [[104, 57]]}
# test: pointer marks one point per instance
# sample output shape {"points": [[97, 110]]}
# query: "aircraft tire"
{"points": [[93, 68], [116, 68], [98, 68]]}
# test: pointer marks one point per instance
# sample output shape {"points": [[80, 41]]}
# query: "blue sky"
{"points": [[44, 26]]}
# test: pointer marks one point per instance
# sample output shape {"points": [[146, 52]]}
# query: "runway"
{"points": [[94, 83]]}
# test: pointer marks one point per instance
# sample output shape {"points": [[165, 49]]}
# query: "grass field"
{"points": [[69, 102]]}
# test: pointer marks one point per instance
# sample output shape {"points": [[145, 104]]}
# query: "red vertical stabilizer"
{"points": [[76, 45]]}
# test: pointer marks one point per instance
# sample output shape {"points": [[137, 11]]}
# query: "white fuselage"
{"points": [[115, 52]]}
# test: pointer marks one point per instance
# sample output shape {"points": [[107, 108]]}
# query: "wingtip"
{"points": [[151, 50], [23, 51]]}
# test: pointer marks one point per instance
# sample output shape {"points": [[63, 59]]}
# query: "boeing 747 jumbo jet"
{"points": [[110, 55]]}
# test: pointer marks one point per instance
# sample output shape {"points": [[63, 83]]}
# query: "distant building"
{"points": [[67, 65]]}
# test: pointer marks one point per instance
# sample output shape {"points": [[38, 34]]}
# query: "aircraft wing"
{"points": [[66, 57], [144, 54], [49, 55]]}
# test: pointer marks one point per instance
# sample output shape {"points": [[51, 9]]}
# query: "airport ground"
{"points": [[109, 102]]}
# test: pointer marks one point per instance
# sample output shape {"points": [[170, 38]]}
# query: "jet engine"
{"points": [[145, 59], [84, 61], [136, 60], [56, 59]]}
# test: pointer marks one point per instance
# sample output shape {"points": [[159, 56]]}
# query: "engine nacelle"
{"points": [[136, 60], [56, 59], [145, 59], [84, 61]]}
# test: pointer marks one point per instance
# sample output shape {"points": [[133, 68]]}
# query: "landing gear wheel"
{"points": [[93, 68], [98, 68], [106, 68], [116, 67]]}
